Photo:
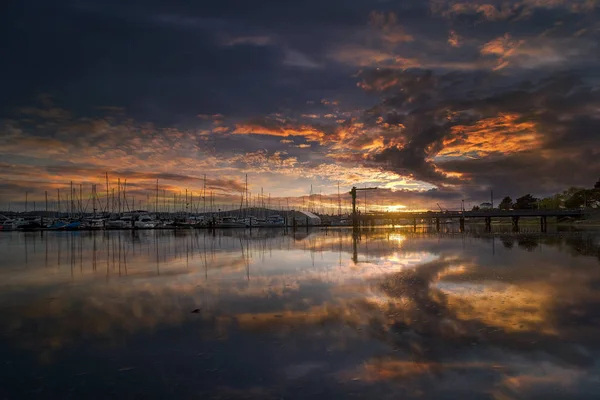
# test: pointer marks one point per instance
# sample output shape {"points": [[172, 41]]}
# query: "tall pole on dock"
{"points": [[125, 196], [58, 196], [339, 201], [26, 195], [71, 208], [107, 193], [119, 195], [156, 203], [46, 194], [246, 192]]}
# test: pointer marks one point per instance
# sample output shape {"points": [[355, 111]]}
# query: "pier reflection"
{"points": [[476, 314]]}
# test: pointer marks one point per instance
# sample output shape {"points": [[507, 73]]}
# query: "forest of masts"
{"points": [[113, 198]]}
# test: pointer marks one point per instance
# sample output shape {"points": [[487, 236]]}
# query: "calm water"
{"points": [[323, 315]]}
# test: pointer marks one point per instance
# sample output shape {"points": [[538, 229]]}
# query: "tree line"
{"points": [[571, 198]]}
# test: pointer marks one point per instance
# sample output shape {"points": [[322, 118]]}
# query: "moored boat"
{"points": [[57, 225], [125, 222], [275, 220], [93, 224], [230, 222], [73, 226], [145, 222], [12, 224]]}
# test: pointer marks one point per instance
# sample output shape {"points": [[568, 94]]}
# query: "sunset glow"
{"points": [[396, 208], [399, 95]]}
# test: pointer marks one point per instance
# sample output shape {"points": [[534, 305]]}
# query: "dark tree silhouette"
{"points": [[526, 202], [506, 203]]}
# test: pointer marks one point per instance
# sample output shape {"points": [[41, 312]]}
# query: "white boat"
{"points": [[13, 224], [95, 224], [275, 220], [248, 221], [125, 222], [258, 222], [230, 222], [145, 222]]}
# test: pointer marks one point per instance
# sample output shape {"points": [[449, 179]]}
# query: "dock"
{"points": [[437, 217]]}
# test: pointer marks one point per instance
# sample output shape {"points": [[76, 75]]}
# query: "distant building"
{"points": [[485, 206], [306, 218]]}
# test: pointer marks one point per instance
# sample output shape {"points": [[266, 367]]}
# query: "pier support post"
{"points": [[543, 224], [437, 224], [462, 224], [488, 224], [515, 223], [415, 224]]}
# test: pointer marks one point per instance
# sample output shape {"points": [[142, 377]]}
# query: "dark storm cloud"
{"points": [[166, 62], [561, 109], [461, 95]]}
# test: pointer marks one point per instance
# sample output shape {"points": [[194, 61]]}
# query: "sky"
{"points": [[430, 101]]}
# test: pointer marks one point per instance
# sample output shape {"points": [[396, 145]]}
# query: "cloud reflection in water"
{"points": [[387, 307]]}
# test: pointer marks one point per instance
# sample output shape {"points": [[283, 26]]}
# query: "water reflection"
{"points": [[436, 315]]}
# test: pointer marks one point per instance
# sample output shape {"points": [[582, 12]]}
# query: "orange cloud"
{"points": [[360, 56], [282, 130], [220, 129], [503, 48], [454, 39], [387, 23], [503, 134]]}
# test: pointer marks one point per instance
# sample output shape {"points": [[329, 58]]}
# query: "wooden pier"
{"points": [[438, 217]]}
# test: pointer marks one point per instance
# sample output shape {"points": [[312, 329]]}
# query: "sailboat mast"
{"points": [[204, 195], [125, 196], [107, 193], [119, 195], [71, 210], [339, 201]]}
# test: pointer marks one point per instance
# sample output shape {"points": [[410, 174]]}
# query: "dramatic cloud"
{"points": [[441, 98]]}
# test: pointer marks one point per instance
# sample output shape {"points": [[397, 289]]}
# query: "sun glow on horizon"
{"points": [[394, 208]]}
